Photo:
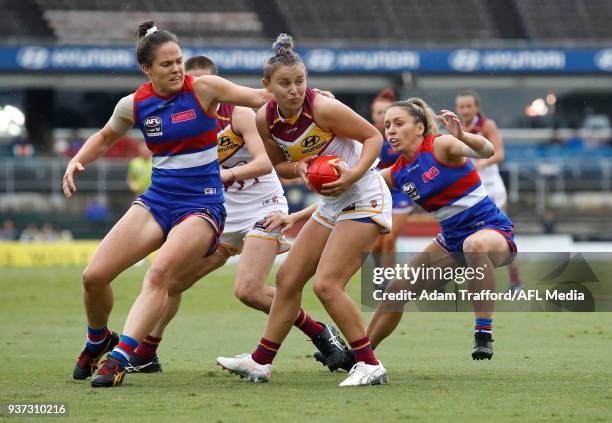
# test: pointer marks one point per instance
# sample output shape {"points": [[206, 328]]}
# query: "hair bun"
{"points": [[143, 28], [283, 45]]}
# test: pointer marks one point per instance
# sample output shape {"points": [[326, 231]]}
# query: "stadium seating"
{"points": [[346, 22], [84, 21], [380, 20], [567, 19]]}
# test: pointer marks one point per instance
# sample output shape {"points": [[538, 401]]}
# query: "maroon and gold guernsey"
{"points": [[475, 127], [489, 174], [232, 151], [228, 142], [299, 136]]}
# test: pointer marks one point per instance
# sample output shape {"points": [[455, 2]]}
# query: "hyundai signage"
{"points": [[324, 60]]}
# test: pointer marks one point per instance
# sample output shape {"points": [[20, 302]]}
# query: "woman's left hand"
{"points": [[451, 123], [348, 177]]}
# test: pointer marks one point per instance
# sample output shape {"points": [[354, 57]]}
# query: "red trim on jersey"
{"points": [[188, 86], [430, 140], [398, 165], [452, 192], [147, 90], [178, 146]]}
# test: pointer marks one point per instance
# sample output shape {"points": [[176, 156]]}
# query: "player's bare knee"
{"points": [[287, 283], [247, 294], [474, 245], [157, 278], [325, 290], [388, 243], [94, 279]]}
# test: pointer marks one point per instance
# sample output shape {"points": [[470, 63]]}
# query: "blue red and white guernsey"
{"points": [[454, 195], [183, 140], [402, 204]]}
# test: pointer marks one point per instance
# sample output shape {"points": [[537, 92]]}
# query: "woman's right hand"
{"points": [[302, 169], [278, 220], [68, 182]]}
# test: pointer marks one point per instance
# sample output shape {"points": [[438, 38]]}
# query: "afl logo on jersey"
{"points": [[153, 126], [310, 141], [411, 190]]}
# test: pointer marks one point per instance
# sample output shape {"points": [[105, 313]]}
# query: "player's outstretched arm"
{"points": [[286, 221], [212, 89], [460, 143], [99, 143]]}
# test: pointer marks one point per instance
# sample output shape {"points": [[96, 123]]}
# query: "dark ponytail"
{"points": [[149, 40]]}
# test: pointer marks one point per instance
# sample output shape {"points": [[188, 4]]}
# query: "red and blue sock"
{"points": [[308, 325], [265, 351], [148, 347], [124, 349], [483, 325], [96, 338], [362, 350]]}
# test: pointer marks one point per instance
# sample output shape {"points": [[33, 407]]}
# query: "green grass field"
{"points": [[547, 366]]}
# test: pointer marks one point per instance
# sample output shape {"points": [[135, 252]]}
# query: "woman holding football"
{"points": [[295, 127]]}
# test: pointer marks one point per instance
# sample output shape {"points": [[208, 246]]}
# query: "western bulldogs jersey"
{"points": [[183, 139], [453, 194], [232, 152], [299, 137], [387, 157]]}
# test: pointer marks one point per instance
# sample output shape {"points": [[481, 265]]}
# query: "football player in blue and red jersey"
{"points": [[181, 214], [435, 171]]}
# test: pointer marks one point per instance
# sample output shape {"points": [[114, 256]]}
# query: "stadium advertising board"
{"points": [[323, 60]]}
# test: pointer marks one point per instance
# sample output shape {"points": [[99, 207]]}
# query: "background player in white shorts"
{"points": [[472, 119]]}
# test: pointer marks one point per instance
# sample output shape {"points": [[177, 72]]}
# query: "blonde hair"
{"points": [[421, 112]]}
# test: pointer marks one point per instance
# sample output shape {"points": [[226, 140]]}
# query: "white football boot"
{"points": [[363, 374], [244, 366]]}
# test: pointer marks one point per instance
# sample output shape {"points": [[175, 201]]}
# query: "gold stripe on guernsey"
{"points": [[324, 219], [228, 143], [311, 143], [270, 238]]}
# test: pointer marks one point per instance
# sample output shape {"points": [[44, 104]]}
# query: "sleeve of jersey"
{"points": [[397, 166], [122, 118]]}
